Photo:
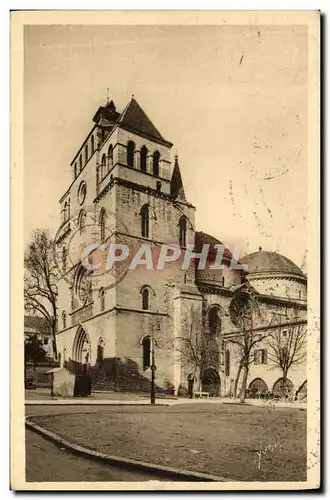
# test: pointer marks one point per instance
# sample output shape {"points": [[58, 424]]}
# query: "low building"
{"points": [[38, 326]]}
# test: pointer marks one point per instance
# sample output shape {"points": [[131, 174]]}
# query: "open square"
{"points": [[236, 442]]}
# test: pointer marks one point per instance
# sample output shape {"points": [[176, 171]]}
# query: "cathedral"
{"points": [[127, 189]]}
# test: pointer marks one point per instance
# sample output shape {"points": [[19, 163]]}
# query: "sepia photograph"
{"points": [[165, 250]]}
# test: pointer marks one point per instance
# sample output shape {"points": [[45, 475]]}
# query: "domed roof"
{"points": [[270, 262], [203, 238], [223, 277]]}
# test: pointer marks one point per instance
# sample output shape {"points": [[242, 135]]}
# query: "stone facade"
{"points": [[123, 171]]}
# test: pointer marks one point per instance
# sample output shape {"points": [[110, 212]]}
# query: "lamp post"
{"points": [[152, 367]]}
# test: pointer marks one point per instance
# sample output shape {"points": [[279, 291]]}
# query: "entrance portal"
{"points": [[81, 349], [211, 382]]}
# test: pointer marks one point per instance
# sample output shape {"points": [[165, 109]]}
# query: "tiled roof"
{"points": [[135, 118], [38, 323]]}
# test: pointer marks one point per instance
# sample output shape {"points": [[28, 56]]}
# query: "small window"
{"points": [[145, 221], [146, 352], [64, 320], [80, 163], [143, 159], [100, 353], [46, 339], [260, 356], [214, 321], [66, 211], [223, 281], [86, 153], [183, 231], [102, 224], [103, 166], [110, 157], [158, 186], [130, 153], [227, 363], [102, 299], [145, 299], [82, 220], [75, 170], [155, 163], [64, 258], [92, 144]]}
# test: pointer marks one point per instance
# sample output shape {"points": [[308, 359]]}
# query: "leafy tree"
{"points": [[40, 281]]}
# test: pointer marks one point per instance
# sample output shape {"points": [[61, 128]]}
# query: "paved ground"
{"points": [[221, 439], [46, 462], [41, 396], [43, 393]]}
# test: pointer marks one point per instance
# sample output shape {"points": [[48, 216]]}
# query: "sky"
{"points": [[232, 99]]}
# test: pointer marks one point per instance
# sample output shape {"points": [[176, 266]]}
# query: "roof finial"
{"points": [[260, 249], [107, 95]]}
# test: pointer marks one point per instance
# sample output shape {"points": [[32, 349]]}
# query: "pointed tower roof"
{"points": [[177, 189], [135, 119], [106, 114]]}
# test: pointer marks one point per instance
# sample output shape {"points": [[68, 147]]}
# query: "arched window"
{"points": [[130, 153], [183, 231], [92, 144], [64, 320], [283, 386], [227, 363], [110, 157], [145, 299], [258, 385], [75, 170], [64, 212], [64, 258], [100, 353], [214, 322], [86, 153], [81, 220], [155, 163], [143, 159], [145, 221], [103, 216], [102, 299], [146, 352], [80, 163], [103, 166]]}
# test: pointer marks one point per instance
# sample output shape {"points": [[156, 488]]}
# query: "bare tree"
{"points": [[197, 347], [245, 314], [40, 281], [190, 348], [287, 347]]}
